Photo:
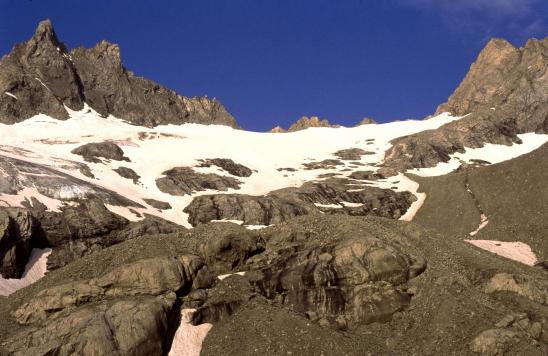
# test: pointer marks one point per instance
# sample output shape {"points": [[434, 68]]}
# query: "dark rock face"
{"points": [[184, 180], [19, 230], [128, 173], [325, 164], [284, 204], [505, 94], [366, 175], [229, 251], [70, 248], [228, 165], [95, 150], [41, 77], [351, 154], [44, 76], [161, 205], [89, 218]]}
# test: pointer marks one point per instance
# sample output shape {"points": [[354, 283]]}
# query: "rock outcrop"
{"points": [[306, 122], [236, 169], [127, 173], [328, 196], [185, 181], [42, 76], [366, 121], [93, 152]]}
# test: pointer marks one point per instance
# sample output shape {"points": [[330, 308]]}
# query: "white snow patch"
{"points": [[351, 205], [41, 82], [34, 270], [223, 276], [188, 338], [256, 227], [16, 200], [517, 251], [10, 94], [238, 222], [483, 223], [413, 187], [333, 206]]}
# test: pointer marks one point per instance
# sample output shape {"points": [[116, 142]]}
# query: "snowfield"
{"points": [[152, 151]]}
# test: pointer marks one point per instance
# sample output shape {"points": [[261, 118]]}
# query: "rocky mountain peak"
{"points": [[366, 121], [41, 76], [503, 75], [45, 32], [305, 122]]}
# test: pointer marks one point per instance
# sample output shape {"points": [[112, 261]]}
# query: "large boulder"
{"points": [[92, 152], [134, 326]]}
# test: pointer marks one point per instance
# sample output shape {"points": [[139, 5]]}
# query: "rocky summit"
{"points": [[43, 76], [136, 221]]}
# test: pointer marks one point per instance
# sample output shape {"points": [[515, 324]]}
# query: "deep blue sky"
{"points": [[271, 62]]}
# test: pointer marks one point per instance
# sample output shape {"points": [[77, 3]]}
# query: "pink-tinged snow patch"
{"points": [[517, 251], [188, 338], [34, 270], [16, 200]]}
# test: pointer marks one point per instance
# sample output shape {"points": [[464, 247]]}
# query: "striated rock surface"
{"points": [[44, 77]]}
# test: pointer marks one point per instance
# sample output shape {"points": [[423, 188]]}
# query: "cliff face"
{"points": [[42, 76], [504, 94], [504, 77]]}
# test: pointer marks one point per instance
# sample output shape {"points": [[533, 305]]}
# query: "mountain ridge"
{"points": [[42, 76]]}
